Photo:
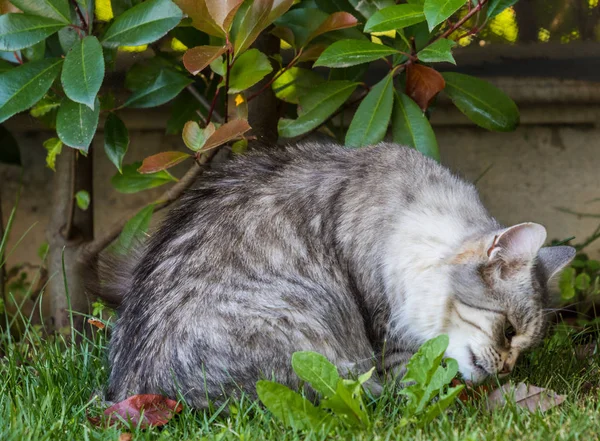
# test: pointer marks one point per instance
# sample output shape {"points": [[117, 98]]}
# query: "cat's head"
{"points": [[499, 298]]}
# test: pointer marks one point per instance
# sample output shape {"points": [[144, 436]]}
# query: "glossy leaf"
{"points": [[483, 103], [303, 22], [23, 86], [316, 106], [346, 53], [132, 181], [116, 140], [395, 17], [45, 105], [436, 11], [256, 17], [76, 124], [135, 229], [370, 122], [194, 136], [83, 71], [9, 148], [223, 11], [197, 11], [18, 31], [198, 58], [317, 370], [225, 133], [438, 51], [495, 7], [142, 24], [370, 7], [249, 69], [331, 6], [82, 198], [162, 161], [295, 82], [410, 127], [53, 146], [292, 409], [164, 88], [35, 52], [337, 20], [55, 9], [423, 84]]}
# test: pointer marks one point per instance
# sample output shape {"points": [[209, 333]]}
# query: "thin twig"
{"points": [[212, 106], [229, 64], [80, 15], [460, 22], [204, 102], [272, 80]]}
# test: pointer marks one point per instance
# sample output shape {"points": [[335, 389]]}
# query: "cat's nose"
{"points": [[506, 368]]}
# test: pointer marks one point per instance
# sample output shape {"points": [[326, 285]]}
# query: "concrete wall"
{"points": [[552, 160]]}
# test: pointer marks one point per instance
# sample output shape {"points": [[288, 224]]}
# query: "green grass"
{"points": [[45, 386]]}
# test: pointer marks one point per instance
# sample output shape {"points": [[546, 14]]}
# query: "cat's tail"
{"points": [[109, 276]]}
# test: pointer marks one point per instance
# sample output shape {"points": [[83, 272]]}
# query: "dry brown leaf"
{"points": [[524, 395], [146, 410], [125, 436], [423, 84], [586, 351]]}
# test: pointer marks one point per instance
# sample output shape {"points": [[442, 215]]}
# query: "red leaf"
{"points": [[97, 323], [336, 21], [197, 11], [311, 53], [223, 11], [146, 410], [162, 161], [197, 58], [423, 84], [227, 132]]}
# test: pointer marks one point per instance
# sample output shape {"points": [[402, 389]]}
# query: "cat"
{"points": [[358, 254]]}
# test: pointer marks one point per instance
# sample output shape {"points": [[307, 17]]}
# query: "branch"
{"points": [[80, 15], [459, 23]]}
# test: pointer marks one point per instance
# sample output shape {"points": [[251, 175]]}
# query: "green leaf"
{"points": [[484, 104], [444, 401], [54, 147], [317, 105], [83, 199], [18, 31], [55, 9], [45, 105], [83, 71], [346, 406], [566, 283], [195, 137], [23, 86], [249, 69], [116, 140], [132, 181], [410, 127], [296, 82], [317, 370], [67, 37], [35, 52], [346, 53], [395, 17], [436, 11], [331, 6], [438, 51], [370, 122], [425, 361], [142, 24], [495, 7], [583, 281], [76, 124], [370, 7], [163, 89], [5, 65], [292, 409], [9, 150], [135, 229]]}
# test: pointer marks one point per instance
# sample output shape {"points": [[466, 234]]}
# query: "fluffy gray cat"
{"points": [[358, 254]]}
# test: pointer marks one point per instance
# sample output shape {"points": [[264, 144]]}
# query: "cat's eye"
{"points": [[509, 331]]}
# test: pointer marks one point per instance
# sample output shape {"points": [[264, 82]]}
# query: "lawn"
{"points": [[46, 386]]}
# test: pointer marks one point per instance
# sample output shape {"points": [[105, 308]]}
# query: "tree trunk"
{"points": [[70, 229]]}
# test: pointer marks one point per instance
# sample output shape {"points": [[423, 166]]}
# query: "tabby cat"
{"points": [[358, 254]]}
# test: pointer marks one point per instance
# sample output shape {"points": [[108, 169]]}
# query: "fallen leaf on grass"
{"points": [[524, 395], [125, 436], [144, 410], [97, 323]]}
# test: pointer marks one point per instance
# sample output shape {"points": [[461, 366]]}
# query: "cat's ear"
{"points": [[522, 241], [553, 259]]}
